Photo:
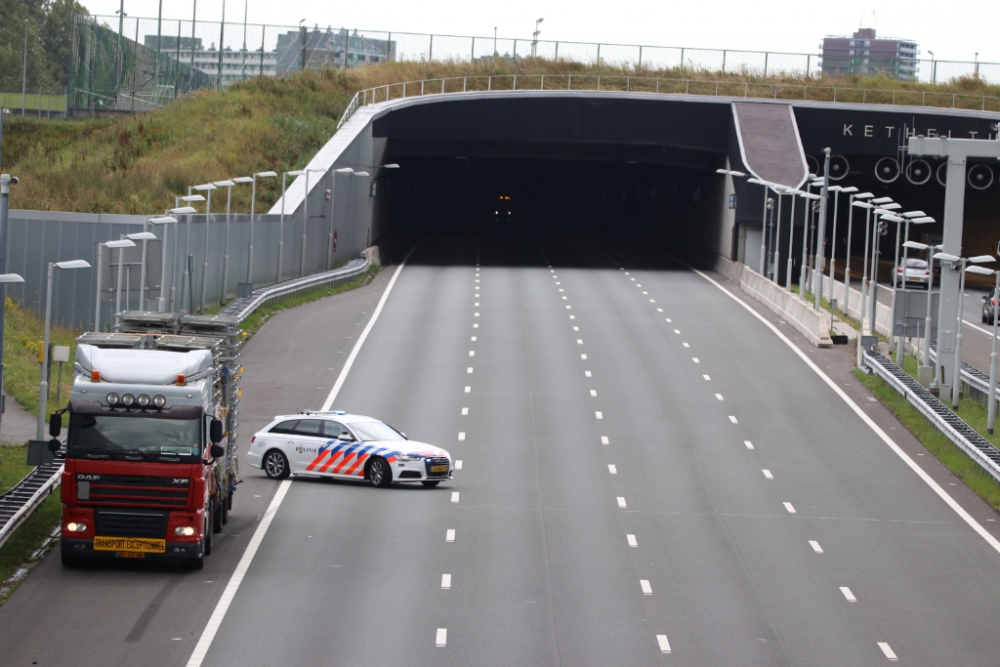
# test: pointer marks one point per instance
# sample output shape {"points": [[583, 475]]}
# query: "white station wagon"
{"points": [[336, 444]]}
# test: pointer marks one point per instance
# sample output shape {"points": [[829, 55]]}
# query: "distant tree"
{"points": [[49, 41]]}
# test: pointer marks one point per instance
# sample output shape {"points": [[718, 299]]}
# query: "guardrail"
{"points": [[618, 83], [18, 503], [937, 413]]}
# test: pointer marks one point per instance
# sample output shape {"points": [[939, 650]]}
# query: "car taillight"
{"points": [[252, 439], [899, 270], [927, 273]]}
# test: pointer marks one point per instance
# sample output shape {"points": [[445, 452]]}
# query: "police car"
{"points": [[336, 444]]}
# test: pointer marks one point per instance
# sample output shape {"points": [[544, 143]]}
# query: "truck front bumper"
{"points": [[84, 548]]}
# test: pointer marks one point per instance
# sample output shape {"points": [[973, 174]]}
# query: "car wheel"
{"points": [[276, 464], [379, 472], [431, 484]]}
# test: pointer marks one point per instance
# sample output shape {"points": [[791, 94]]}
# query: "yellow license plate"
{"points": [[131, 554], [132, 544], [439, 468]]}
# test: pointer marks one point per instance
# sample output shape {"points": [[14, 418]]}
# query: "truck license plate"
{"points": [[130, 544], [131, 554]]}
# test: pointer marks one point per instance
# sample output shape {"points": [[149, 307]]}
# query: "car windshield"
{"points": [[124, 438], [376, 431], [916, 264]]}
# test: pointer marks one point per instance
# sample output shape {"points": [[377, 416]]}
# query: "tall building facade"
{"points": [[867, 55]]}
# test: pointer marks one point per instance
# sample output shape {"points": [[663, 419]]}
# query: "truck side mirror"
{"points": [[54, 445], [218, 451], [215, 431], [55, 424]]}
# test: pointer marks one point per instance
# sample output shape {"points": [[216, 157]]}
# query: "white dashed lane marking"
{"points": [[646, 588], [632, 542], [599, 414], [788, 506], [887, 651], [767, 473], [733, 419], [469, 369], [748, 444], [707, 378], [465, 411], [468, 390], [604, 440], [815, 546], [458, 464], [664, 644], [454, 496], [612, 469], [719, 397], [621, 502], [441, 639], [695, 360], [583, 356], [593, 392], [586, 373], [446, 581], [449, 535], [461, 435]]}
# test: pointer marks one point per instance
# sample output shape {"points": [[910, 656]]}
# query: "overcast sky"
{"points": [[953, 32]]}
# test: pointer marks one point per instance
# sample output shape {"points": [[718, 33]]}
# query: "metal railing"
{"points": [[17, 504], [642, 84], [978, 448], [121, 63]]}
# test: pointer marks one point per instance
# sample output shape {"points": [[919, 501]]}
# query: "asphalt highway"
{"points": [[650, 475]]}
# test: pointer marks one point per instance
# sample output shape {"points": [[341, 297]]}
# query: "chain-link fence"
{"points": [[37, 103], [135, 64]]}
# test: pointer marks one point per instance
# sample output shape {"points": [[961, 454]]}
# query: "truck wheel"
{"points": [[379, 472], [276, 464], [209, 524], [217, 518], [69, 560], [195, 563], [225, 510], [229, 501]]}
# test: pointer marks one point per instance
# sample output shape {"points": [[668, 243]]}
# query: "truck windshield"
{"points": [[134, 438]]}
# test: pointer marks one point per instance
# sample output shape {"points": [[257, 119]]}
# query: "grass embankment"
{"points": [[138, 164], [969, 410]]}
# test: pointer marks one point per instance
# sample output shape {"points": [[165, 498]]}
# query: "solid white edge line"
{"points": [[364, 335], [958, 509], [212, 627]]}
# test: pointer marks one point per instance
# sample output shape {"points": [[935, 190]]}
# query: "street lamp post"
{"points": [[994, 299], [207, 187], [24, 69], [960, 264], [864, 258], [253, 202], [225, 257], [189, 199], [116, 323], [281, 225], [763, 224], [916, 217], [821, 232], [808, 198], [847, 264], [5, 278], [121, 243], [534, 44], [163, 220], [142, 236], [43, 385]]}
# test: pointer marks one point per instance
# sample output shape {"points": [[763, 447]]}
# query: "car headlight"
{"points": [[185, 531], [407, 458]]}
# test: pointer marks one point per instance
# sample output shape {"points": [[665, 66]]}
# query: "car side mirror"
{"points": [[345, 436], [55, 424], [215, 431], [985, 297], [218, 451]]}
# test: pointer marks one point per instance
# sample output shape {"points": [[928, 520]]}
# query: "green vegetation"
{"points": [[23, 548], [957, 461], [138, 164], [49, 36], [253, 323], [12, 466], [23, 335]]}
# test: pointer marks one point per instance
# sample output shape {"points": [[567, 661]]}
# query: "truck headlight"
{"points": [[143, 400], [75, 527], [159, 400], [185, 531]]}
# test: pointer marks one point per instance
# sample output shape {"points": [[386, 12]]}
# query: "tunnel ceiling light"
{"points": [[978, 259], [890, 207], [863, 195], [892, 218], [391, 165], [915, 245], [361, 173], [920, 221], [882, 200], [730, 172], [945, 257], [850, 189], [914, 214], [863, 204]]}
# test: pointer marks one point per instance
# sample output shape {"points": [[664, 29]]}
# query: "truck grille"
{"points": [[134, 490], [130, 523], [440, 461]]}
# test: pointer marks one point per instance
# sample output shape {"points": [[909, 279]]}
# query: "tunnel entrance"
{"points": [[543, 198]]}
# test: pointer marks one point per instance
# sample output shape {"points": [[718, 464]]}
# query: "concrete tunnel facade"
{"points": [[651, 160]]}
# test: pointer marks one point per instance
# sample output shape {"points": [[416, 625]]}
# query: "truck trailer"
{"points": [[150, 454]]}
